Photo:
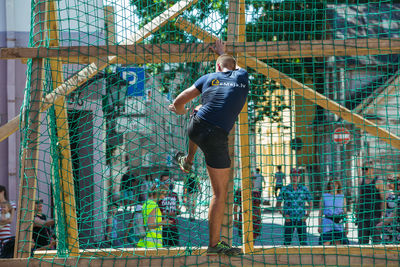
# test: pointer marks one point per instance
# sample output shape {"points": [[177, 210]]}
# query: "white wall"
{"points": [[82, 16], [86, 15], [21, 12]]}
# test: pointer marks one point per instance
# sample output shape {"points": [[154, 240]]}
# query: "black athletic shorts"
{"points": [[212, 140]]}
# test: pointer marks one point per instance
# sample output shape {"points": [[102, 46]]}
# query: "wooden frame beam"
{"points": [[100, 63], [196, 52], [258, 250], [30, 153], [61, 117], [109, 17], [237, 32], [247, 183], [227, 222], [306, 92], [354, 255], [141, 51], [109, 26]]}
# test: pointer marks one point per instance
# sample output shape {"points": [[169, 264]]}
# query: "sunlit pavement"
{"points": [[195, 233]]}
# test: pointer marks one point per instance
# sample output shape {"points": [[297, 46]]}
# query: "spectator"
{"points": [[7, 215], [332, 215], [165, 178], [5, 212], [144, 188], [133, 191], [258, 184], [169, 206], [257, 223], [370, 205], [389, 224], [279, 177], [132, 224], [129, 195], [130, 187], [112, 229], [42, 234], [152, 218], [190, 193], [295, 197], [257, 188]]}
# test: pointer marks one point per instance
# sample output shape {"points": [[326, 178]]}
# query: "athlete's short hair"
{"points": [[227, 61]]}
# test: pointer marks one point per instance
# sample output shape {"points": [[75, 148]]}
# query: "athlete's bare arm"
{"points": [[178, 106]]}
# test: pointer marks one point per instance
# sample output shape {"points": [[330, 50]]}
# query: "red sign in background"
{"points": [[341, 136]]}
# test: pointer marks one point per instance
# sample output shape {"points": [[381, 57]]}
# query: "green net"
{"points": [[315, 156]]}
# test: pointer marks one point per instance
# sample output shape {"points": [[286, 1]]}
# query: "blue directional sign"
{"points": [[135, 79]]}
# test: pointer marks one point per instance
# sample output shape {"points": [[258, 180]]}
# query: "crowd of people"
{"points": [[151, 218], [376, 209], [293, 200], [149, 210]]}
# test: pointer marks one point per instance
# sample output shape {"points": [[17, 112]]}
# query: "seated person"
{"points": [[7, 241], [42, 234], [6, 215]]}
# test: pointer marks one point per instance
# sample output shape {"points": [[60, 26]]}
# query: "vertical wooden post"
{"points": [[227, 223], [30, 153], [61, 115], [109, 27], [237, 24], [109, 24]]}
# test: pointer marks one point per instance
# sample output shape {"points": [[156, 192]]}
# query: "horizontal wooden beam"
{"points": [[354, 255], [136, 52], [321, 48], [258, 250], [195, 52]]}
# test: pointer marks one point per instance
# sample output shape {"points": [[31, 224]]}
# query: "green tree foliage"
{"points": [[283, 21], [269, 21], [147, 10]]}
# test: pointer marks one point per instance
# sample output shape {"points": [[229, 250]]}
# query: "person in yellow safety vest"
{"points": [[152, 218]]}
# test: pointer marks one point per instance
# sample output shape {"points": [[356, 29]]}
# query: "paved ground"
{"points": [[195, 233]]}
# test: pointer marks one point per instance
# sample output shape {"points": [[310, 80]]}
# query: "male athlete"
{"points": [[223, 94]]}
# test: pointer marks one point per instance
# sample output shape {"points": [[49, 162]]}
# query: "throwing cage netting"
{"points": [[97, 135]]}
